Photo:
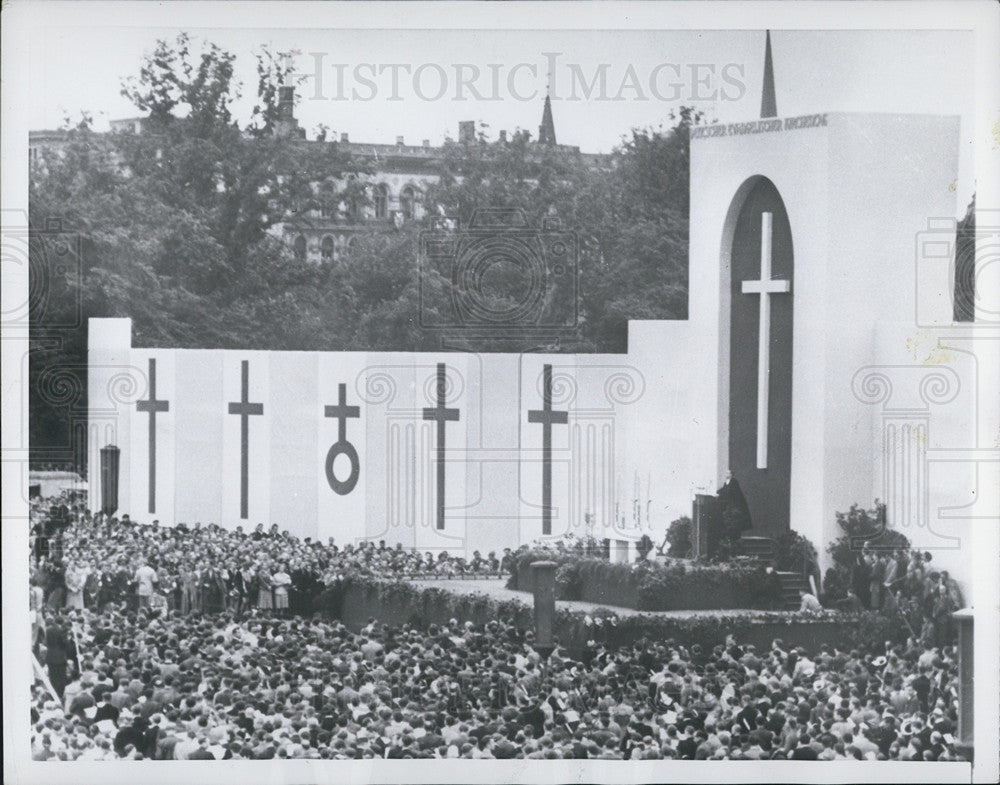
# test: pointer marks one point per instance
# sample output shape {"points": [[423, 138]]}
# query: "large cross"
{"points": [[244, 408], [765, 287], [441, 414], [152, 406], [547, 417]]}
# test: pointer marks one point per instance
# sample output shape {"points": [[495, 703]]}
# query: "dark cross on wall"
{"points": [[244, 408], [342, 447], [152, 406], [547, 417], [441, 414]]}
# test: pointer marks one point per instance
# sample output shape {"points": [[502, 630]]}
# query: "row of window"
{"points": [[380, 199], [327, 247]]}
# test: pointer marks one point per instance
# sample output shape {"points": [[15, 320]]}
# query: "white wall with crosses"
{"points": [[616, 433]]}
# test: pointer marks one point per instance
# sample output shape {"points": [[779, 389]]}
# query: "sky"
{"points": [[377, 85]]}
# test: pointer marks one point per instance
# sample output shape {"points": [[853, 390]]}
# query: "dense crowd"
{"points": [[224, 676], [84, 560], [156, 684]]}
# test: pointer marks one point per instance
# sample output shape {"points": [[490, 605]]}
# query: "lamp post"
{"points": [[110, 456], [544, 574], [966, 710]]}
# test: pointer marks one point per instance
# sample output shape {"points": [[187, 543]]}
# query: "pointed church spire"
{"points": [[768, 102], [547, 130]]}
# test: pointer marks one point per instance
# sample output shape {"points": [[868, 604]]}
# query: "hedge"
{"points": [[362, 598], [651, 586]]}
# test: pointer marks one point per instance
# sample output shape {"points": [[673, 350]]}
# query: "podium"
{"points": [[705, 516]]}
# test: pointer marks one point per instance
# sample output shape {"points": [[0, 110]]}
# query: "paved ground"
{"points": [[496, 588]]}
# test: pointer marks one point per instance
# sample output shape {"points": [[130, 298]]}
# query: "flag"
{"points": [[41, 676]]}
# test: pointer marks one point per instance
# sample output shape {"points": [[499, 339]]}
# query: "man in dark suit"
{"points": [[105, 711], [922, 687], [749, 715], [84, 700], [804, 750], [57, 654], [687, 746]]}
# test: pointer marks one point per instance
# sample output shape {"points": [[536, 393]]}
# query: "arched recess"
{"points": [[381, 201], [326, 251], [766, 486], [299, 248]]}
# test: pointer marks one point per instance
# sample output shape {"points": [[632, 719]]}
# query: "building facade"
{"points": [[386, 190]]}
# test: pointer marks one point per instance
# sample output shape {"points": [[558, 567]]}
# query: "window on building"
{"points": [[407, 199], [300, 248], [353, 207], [381, 201], [326, 249]]}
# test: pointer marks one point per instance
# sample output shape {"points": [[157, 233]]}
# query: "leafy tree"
{"points": [[180, 228], [629, 213], [174, 227]]}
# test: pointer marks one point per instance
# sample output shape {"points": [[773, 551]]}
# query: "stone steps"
{"points": [[765, 548], [762, 547], [791, 582]]}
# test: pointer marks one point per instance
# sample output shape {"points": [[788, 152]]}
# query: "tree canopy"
{"points": [[179, 228]]}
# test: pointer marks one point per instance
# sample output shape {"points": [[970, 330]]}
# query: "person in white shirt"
{"points": [[186, 746], [145, 576], [810, 603]]}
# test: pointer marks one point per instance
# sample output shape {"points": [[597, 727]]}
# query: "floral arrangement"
{"points": [[397, 602], [653, 586]]}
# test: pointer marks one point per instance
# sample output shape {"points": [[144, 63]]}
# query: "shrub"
{"points": [[860, 526], [398, 602], [568, 581], [644, 546], [740, 583], [794, 553], [521, 575], [834, 586], [679, 537]]}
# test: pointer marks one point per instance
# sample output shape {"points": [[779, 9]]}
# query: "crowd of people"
{"points": [[212, 674], [90, 560], [903, 581]]}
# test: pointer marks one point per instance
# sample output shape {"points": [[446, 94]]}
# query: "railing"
{"points": [[430, 575]]}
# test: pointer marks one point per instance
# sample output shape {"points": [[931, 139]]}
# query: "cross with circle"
{"points": [[342, 447]]}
